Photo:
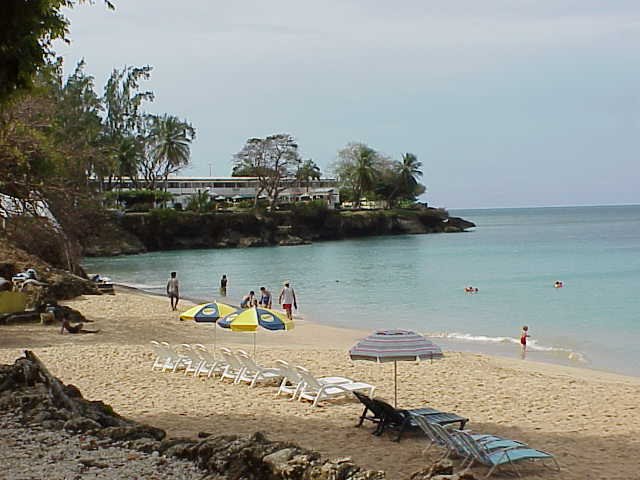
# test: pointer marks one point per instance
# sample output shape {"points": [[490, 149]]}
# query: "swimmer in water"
{"points": [[558, 284]]}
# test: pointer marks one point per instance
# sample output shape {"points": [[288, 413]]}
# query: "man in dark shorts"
{"points": [[265, 298], [223, 286]]}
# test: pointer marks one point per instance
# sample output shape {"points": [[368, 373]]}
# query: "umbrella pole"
{"points": [[395, 384], [215, 334], [254, 345]]}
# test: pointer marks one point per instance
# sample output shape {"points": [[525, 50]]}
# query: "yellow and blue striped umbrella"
{"points": [[208, 312], [249, 319]]}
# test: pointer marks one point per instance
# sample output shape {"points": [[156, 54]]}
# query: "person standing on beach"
{"points": [[223, 285], [265, 297], [287, 299], [173, 290], [523, 339]]}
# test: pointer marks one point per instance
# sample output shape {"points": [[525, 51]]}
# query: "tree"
{"points": [[306, 172], [125, 123], [27, 31], [271, 160], [77, 125], [169, 148], [408, 173], [356, 169]]}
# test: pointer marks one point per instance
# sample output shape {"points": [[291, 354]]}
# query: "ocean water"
{"points": [[513, 257]]}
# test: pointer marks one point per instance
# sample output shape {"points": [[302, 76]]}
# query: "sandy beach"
{"points": [[587, 419]]}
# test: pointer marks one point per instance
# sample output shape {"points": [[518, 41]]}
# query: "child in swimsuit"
{"points": [[523, 338]]}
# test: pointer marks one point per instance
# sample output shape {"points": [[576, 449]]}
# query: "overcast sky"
{"points": [[506, 102]]}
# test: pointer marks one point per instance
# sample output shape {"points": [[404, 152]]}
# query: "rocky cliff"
{"points": [[169, 229]]}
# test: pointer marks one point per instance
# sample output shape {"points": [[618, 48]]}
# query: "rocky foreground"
{"points": [[49, 430]]}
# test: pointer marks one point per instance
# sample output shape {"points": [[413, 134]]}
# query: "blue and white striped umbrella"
{"points": [[395, 346]]}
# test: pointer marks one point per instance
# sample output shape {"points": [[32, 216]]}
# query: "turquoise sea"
{"points": [[513, 257]]}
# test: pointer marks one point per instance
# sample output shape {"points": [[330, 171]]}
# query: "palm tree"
{"points": [[307, 171], [407, 184], [170, 143], [409, 172], [364, 172]]}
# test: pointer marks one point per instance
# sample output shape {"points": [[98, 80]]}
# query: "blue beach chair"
{"points": [[476, 451]]}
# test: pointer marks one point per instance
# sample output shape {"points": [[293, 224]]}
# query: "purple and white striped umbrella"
{"points": [[395, 346]]}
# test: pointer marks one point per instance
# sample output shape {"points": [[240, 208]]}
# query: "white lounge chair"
{"points": [[253, 373], [192, 361], [175, 361], [233, 368], [315, 390], [210, 365], [162, 356], [291, 380]]}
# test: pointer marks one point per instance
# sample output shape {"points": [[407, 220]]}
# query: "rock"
{"points": [[181, 449], [279, 457], [291, 240], [134, 432], [81, 424], [147, 445], [53, 424]]}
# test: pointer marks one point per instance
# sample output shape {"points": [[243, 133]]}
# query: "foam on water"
{"points": [[532, 344]]}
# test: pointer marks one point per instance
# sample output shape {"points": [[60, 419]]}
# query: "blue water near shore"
{"points": [[417, 281]]}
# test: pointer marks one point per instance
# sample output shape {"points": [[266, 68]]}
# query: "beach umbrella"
{"points": [[395, 346], [208, 313], [250, 319]]}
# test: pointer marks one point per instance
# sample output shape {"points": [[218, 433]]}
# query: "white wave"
{"points": [[141, 286], [532, 344]]}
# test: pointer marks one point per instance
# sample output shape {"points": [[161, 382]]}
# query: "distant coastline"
{"points": [[172, 230]]}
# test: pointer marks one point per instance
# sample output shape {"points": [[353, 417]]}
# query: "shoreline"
{"points": [[570, 412], [501, 350]]}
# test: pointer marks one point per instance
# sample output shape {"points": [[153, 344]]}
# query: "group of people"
{"points": [[286, 298]]}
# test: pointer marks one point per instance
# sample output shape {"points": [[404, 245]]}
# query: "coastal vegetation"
{"points": [[80, 153]]}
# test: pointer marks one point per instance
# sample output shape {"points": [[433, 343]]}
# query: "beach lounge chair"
{"points": [[233, 368], [388, 417], [440, 435], [162, 356], [291, 380], [209, 364], [315, 390], [475, 451], [192, 360], [253, 373], [176, 361]]}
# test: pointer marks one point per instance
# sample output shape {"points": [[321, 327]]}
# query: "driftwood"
{"points": [[56, 390]]}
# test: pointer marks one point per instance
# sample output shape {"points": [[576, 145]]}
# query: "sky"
{"points": [[507, 103]]}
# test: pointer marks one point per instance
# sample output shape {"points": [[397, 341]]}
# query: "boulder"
{"points": [[81, 424]]}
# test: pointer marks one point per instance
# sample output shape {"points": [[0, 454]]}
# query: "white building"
{"points": [[233, 189]]}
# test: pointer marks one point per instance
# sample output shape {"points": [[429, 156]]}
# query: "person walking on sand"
{"points": [[523, 339], [287, 299], [265, 298], [223, 285], [173, 290]]}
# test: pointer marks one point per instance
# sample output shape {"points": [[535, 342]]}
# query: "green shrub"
{"points": [[164, 215], [134, 197], [313, 209], [139, 207]]}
